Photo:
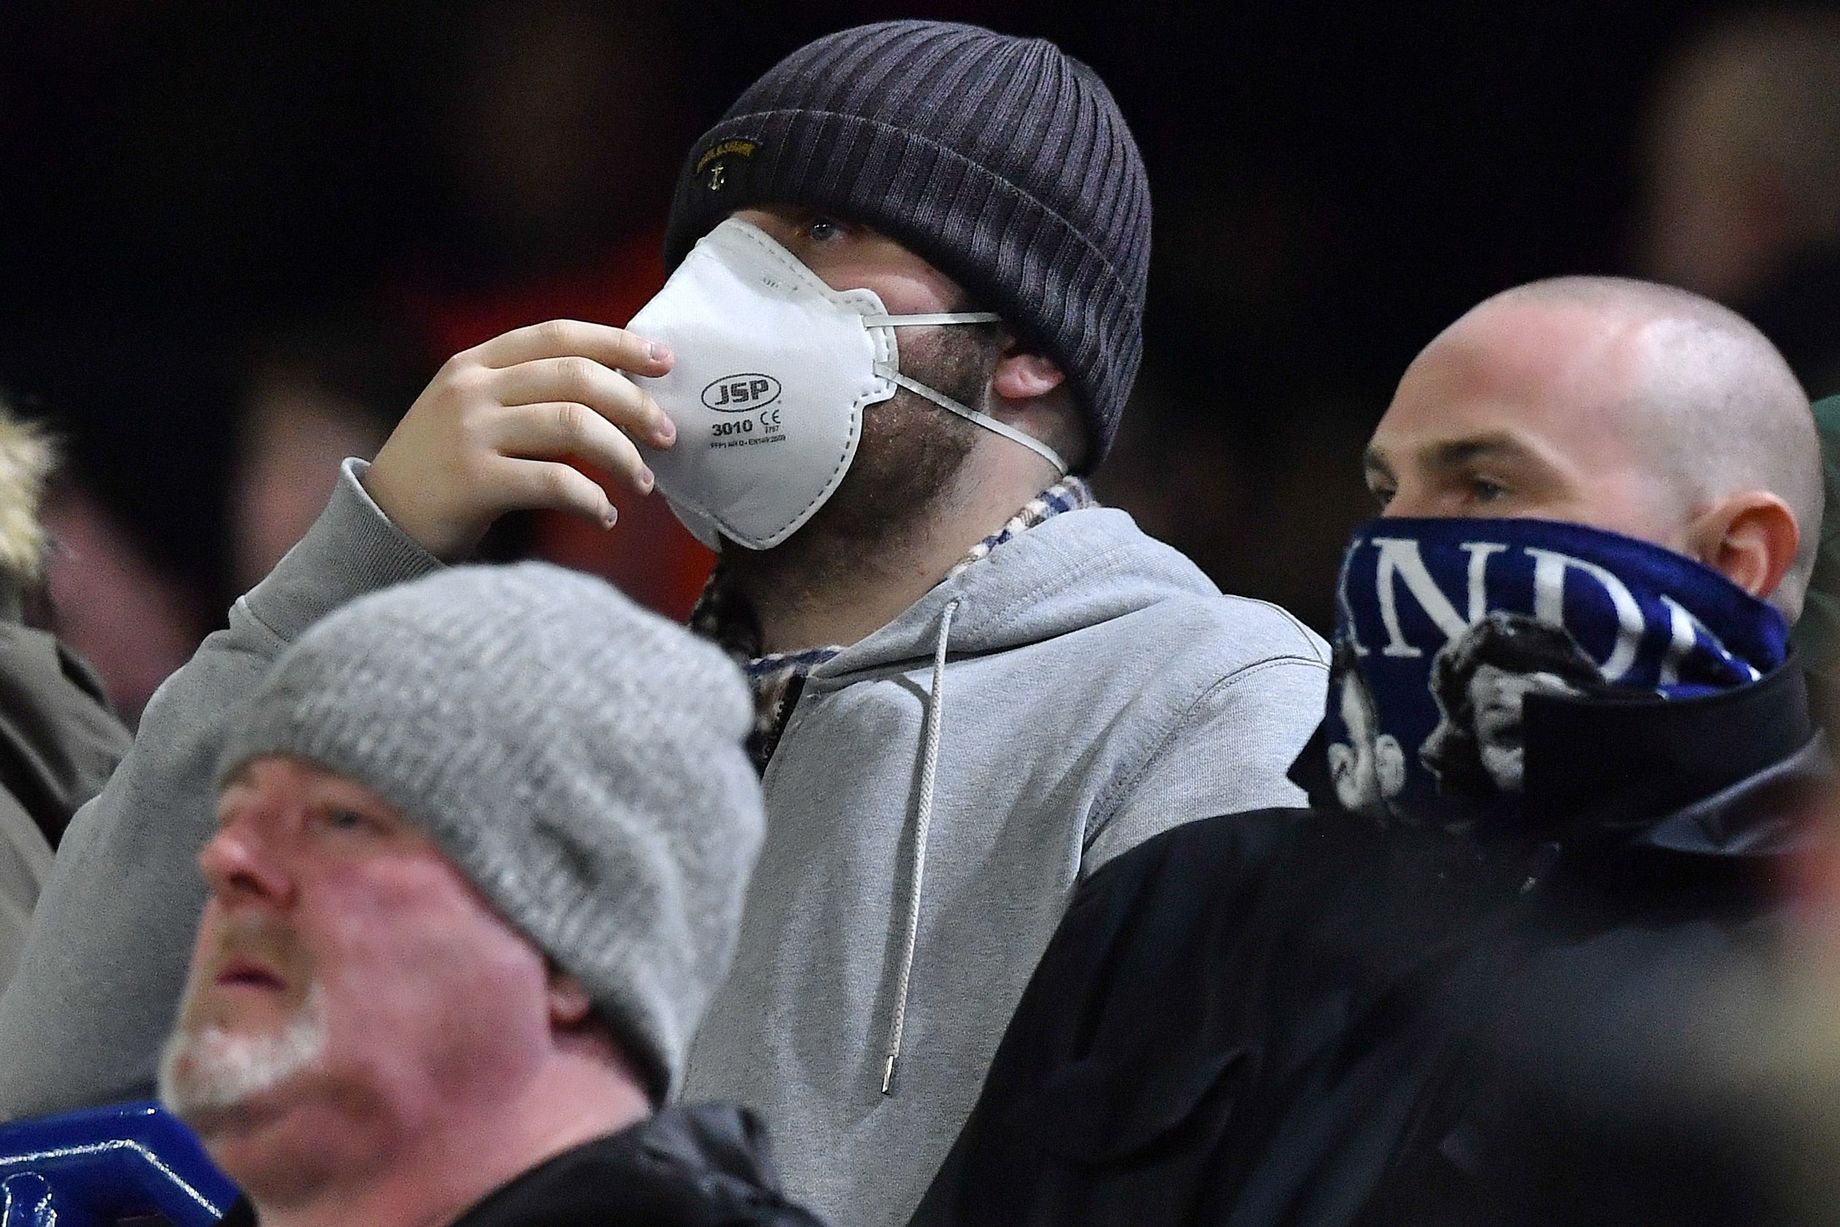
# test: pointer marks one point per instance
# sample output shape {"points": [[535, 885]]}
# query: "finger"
{"points": [[553, 486], [607, 392], [557, 429], [612, 347]]}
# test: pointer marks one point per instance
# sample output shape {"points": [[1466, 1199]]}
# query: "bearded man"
{"points": [[904, 321]]}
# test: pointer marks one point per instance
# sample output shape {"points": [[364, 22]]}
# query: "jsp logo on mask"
{"points": [[738, 307], [751, 394], [739, 393]]}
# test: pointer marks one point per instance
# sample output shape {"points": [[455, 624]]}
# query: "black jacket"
{"points": [[1302, 1017], [703, 1166]]}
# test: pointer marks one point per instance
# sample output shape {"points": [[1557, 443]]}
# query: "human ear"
{"points": [[1750, 539], [1021, 375], [569, 1005]]}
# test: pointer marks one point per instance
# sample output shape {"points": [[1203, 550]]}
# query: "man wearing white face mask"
{"points": [[903, 323]]}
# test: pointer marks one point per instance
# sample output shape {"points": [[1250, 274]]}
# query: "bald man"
{"points": [[1463, 988]]}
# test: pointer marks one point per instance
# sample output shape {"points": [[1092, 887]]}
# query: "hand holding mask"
{"points": [[494, 430], [762, 371]]}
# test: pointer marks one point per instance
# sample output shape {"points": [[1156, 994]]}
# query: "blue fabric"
{"points": [[1443, 625], [102, 1165]]}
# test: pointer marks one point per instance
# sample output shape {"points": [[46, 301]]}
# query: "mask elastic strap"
{"points": [[941, 399], [942, 317], [982, 419]]}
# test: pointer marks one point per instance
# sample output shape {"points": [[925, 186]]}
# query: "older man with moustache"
{"points": [[457, 939], [1388, 1008]]}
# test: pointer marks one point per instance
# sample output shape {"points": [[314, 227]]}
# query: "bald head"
{"points": [[1620, 404]]}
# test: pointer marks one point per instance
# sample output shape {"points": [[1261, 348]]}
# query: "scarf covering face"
{"points": [[1444, 626]]}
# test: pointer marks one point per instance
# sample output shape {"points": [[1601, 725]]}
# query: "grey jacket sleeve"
{"points": [[1229, 753], [83, 1019]]}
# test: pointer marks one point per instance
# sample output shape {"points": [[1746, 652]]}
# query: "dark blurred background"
{"points": [[235, 240]]}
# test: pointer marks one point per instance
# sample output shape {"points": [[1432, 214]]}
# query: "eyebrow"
{"points": [[1454, 453]]}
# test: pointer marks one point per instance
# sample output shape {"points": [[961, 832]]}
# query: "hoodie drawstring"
{"points": [[935, 714]]}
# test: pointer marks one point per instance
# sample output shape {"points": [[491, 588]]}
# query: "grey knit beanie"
{"points": [[1002, 161], [578, 758]]}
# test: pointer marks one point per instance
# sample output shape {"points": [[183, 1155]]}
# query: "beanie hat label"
{"points": [[719, 166]]}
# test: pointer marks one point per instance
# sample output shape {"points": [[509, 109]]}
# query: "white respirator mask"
{"points": [[773, 371]]}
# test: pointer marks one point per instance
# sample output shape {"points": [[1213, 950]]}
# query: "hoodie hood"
{"points": [[1077, 570]]}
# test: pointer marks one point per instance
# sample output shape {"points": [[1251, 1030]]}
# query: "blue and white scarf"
{"points": [[1445, 625]]}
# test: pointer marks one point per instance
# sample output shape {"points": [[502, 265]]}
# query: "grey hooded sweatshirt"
{"points": [[938, 790], [929, 813]]}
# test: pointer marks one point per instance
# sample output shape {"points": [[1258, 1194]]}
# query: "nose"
{"points": [[239, 868]]}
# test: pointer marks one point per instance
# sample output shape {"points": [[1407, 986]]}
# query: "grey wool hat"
{"points": [[1002, 161], [578, 758]]}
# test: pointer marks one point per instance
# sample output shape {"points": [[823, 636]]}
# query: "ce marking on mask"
{"points": [[752, 394]]}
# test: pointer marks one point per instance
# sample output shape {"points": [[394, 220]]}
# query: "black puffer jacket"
{"points": [[703, 1166], [1299, 1017]]}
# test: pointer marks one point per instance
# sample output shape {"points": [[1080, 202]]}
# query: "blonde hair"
{"points": [[27, 458]]}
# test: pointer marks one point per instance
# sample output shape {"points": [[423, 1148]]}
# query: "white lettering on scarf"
{"points": [[1399, 557], [1401, 564]]}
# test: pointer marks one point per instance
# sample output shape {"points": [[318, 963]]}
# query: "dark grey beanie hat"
{"points": [[579, 759], [1002, 161]]}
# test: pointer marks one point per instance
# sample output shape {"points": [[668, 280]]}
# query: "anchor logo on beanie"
{"points": [[714, 164]]}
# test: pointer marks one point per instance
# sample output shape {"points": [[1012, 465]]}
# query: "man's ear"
{"points": [[1022, 375], [1750, 538], [1030, 392], [569, 1005]]}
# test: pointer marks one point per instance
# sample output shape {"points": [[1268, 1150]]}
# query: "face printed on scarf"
{"points": [[1369, 768], [348, 983], [1496, 697], [1519, 410]]}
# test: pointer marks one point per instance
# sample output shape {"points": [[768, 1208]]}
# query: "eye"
{"points": [[825, 230], [1485, 491], [1383, 494], [338, 818]]}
